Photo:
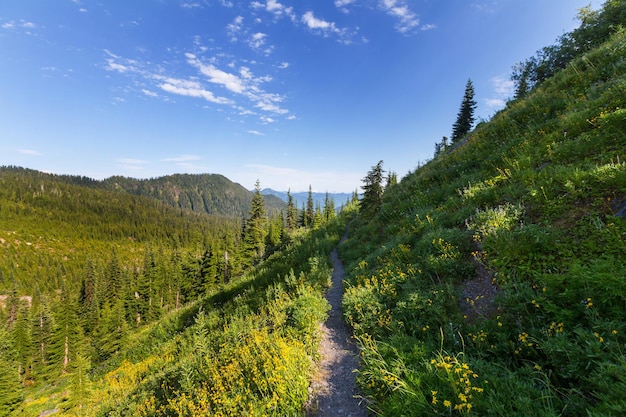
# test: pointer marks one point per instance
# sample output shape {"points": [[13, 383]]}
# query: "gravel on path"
{"points": [[334, 391]]}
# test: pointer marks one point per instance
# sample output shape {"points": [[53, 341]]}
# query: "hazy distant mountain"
{"points": [[302, 196], [206, 193]]}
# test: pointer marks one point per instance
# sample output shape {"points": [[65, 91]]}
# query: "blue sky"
{"points": [[288, 92]]}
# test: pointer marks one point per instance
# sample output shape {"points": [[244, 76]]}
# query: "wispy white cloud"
{"points": [[217, 78], [191, 89], [12, 24], [245, 84], [275, 8], [118, 64], [256, 132], [326, 28], [503, 89], [230, 81], [190, 5], [31, 152], [503, 85], [318, 24], [342, 5], [233, 29], [399, 9], [258, 42]]}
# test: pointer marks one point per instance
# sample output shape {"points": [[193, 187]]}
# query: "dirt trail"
{"points": [[334, 390]]}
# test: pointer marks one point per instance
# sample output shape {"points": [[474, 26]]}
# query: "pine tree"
{"points": [[372, 191], [465, 118]]}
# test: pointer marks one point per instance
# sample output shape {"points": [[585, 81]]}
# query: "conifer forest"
{"points": [[489, 281]]}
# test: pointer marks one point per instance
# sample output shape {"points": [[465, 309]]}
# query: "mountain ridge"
{"points": [[301, 197]]}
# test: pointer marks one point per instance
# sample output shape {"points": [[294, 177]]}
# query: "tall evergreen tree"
{"points": [[256, 232], [275, 230], [21, 334], [372, 191], [67, 334], [521, 78], [303, 217], [42, 326], [10, 386], [310, 209], [292, 213], [318, 218], [329, 208], [88, 299], [465, 118]]}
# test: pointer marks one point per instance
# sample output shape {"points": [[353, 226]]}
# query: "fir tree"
{"points": [[329, 208], [256, 232], [310, 208], [292, 213], [318, 218], [10, 386], [372, 191], [465, 118]]}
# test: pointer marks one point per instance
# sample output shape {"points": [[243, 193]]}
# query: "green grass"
{"points": [[530, 196]]}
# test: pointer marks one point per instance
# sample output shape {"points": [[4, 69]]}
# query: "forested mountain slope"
{"points": [[104, 293], [50, 226], [492, 280], [203, 193]]}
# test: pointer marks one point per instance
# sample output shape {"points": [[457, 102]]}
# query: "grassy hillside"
{"points": [[247, 349], [492, 280]]}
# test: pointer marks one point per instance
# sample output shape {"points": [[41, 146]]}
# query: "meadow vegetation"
{"points": [[489, 281], [529, 198]]}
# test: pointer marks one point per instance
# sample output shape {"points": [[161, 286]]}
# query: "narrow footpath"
{"points": [[334, 390]]}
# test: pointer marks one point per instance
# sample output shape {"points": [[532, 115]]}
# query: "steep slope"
{"points": [[117, 304], [203, 193], [491, 280]]}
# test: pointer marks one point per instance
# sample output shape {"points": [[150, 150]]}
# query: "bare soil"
{"points": [[334, 391], [478, 294]]}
